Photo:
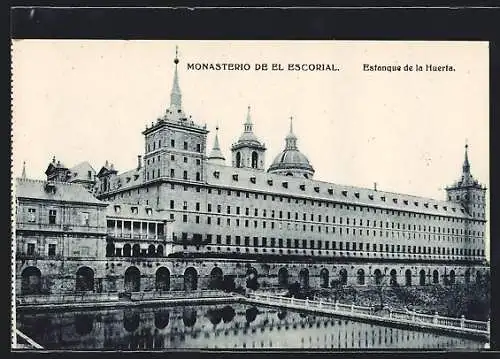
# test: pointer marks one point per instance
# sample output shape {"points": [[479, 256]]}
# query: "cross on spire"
{"points": [[291, 139], [24, 170]]}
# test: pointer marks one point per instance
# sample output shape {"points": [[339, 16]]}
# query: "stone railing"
{"points": [[407, 317], [178, 294], [65, 298]]}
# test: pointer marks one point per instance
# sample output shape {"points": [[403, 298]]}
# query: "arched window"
{"points": [[136, 250], [190, 279], [255, 160], [159, 251], [408, 277], [151, 250], [252, 278], [343, 276], [216, 279], [126, 250], [238, 159], [324, 278], [452, 277], [110, 249], [361, 276], [162, 279], [84, 279], [378, 276], [132, 280], [283, 277], [435, 276], [304, 278], [422, 277], [394, 277]]}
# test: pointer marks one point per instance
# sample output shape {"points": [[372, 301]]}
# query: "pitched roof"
{"points": [[273, 184], [134, 211], [62, 191], [80, 172]]}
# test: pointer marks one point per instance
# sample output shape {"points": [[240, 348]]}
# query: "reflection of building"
{"points": [[266, 227], [222, 327]]}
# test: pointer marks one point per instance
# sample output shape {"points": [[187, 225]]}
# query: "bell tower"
{"points": [[468, 192]]}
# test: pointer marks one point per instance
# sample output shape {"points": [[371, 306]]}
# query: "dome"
{"points": [[291, 162], [291, 159]]}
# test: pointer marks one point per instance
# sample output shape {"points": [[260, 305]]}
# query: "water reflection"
{"points": [[219, 326]]}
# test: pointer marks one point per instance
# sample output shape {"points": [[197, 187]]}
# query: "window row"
{"points": [[33, 217], [154, 145], [334, 245]]}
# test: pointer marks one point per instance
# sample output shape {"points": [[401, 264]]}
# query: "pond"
{"points": [[227, 326]]}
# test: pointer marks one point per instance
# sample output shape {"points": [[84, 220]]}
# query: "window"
{"points": [[172, 143], [52, 216], [84, 217], [185, 159], [52, 250], [31, 215], [31, 249], [172, 172], [185, 145], [198, 147], [185, 175]]}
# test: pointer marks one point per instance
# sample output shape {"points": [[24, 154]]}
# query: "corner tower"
{"points": [[216, 155], [175, 145], [248, 151], [468, 192]]}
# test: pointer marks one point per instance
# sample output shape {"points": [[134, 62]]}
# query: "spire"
{"points": [[248, 122], [24, 170], [216, 142], [175, 95], [216, 154], [291, 139], [466, 165]]}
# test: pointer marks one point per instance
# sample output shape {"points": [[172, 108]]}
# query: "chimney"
{"points": [[375, 186], [139, 162]]}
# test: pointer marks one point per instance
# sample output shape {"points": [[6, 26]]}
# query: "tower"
{"points": [[56, 171], [468, 192], [216, 155], [248, 151], [175, 146]]}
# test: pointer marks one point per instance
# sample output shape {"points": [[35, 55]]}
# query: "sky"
{"points": [[89, 100]]}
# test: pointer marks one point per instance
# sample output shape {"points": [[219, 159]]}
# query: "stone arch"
{"points": [[110, 249], [216, 279], [324, 276], [84, 279], [422, 277], [136, 250], [238, 159], [132, 280], [377, 274], [408, 277], [127, 250], [162, 279], [283, 277], [360, 276], [151, 250], [159, 251], [304, 278], [343, 276], [31, 281], [452, 277], [190, 279], [467, 276], [435, 276], [394, 277], [252, 278]]}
